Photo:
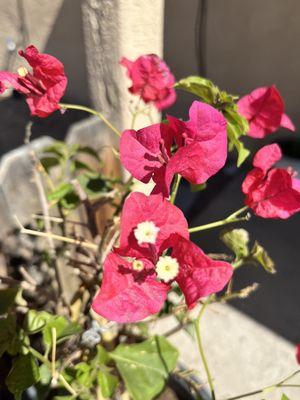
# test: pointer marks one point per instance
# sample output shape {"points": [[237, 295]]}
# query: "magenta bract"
{"points": [[43, 87], [201, 148], [271, 192], [151, 80], [264, 110]]}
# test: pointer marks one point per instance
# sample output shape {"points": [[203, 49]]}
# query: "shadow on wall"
{"points": [[246, 44], [65, 42]]}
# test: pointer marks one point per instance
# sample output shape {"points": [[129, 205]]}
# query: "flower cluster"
{"points": [[155, 251], [200, 142]]}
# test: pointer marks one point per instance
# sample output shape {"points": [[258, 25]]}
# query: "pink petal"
{"points": [[125, 297], [139, 150], [267, 156], [199, 275], [276, 197], [287, 123], [263, 108], [9, 79], [139, 208]]}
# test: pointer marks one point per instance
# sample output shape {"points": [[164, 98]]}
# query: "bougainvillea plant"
{"points": [[139, 263]]}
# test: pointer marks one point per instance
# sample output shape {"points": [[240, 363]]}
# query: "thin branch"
{"points": [[65, 239]]}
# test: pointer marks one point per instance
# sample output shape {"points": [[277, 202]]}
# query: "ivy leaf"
{"points": [[7, 299], [36, 320], [237, 240], [145, 366], [24, 373], [107, 383], [64, 329], [261, 257]]}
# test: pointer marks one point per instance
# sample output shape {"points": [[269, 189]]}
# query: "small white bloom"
{"points": [[22, 71], [146, 232], [167, 268], [138, 265]]}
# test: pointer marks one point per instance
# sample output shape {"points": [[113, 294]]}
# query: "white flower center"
{"points": [[167, 268], [138, 265], [22, 71], [146, 232]]}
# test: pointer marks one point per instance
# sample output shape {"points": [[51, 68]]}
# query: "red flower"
{"points": [[129, 295], [264, 109], [146, 222], [151, 79], [271, 192], [298, 353], [136, 286], [201, 152], [199, 275], [43, 87]]}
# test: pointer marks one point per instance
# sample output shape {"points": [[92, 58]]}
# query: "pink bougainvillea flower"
{"points": [[264, 110], [133, 290], [128, 294], [151, 80], [298, 353], [271, 192], [146, 222], [199, 275], [201, 148], [43, 87], [154, 252]]}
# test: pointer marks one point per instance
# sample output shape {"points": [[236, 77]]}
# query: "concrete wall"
{"points": [[248, 43]]}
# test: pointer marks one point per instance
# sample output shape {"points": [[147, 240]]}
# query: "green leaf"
{"points": [[90, 151], [9, 340], [65, 194], [36, 320], [237, 240], [107, 383], [145, 366], [45, 375], [201, 87], [284, 397], [237, 126], [94, 184], [259, 255], [24, 373], [84, 375], [102, 356], [64, 329], [7, 299], [58, 148], [49, 162], [60, 192], [77, 165], [198, 188]]}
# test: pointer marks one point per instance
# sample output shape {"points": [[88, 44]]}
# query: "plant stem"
{"points": [[267, 388], [201, 350], [229, 220], [60, 238], [91, 111], [175, 188], [45, 361]]}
